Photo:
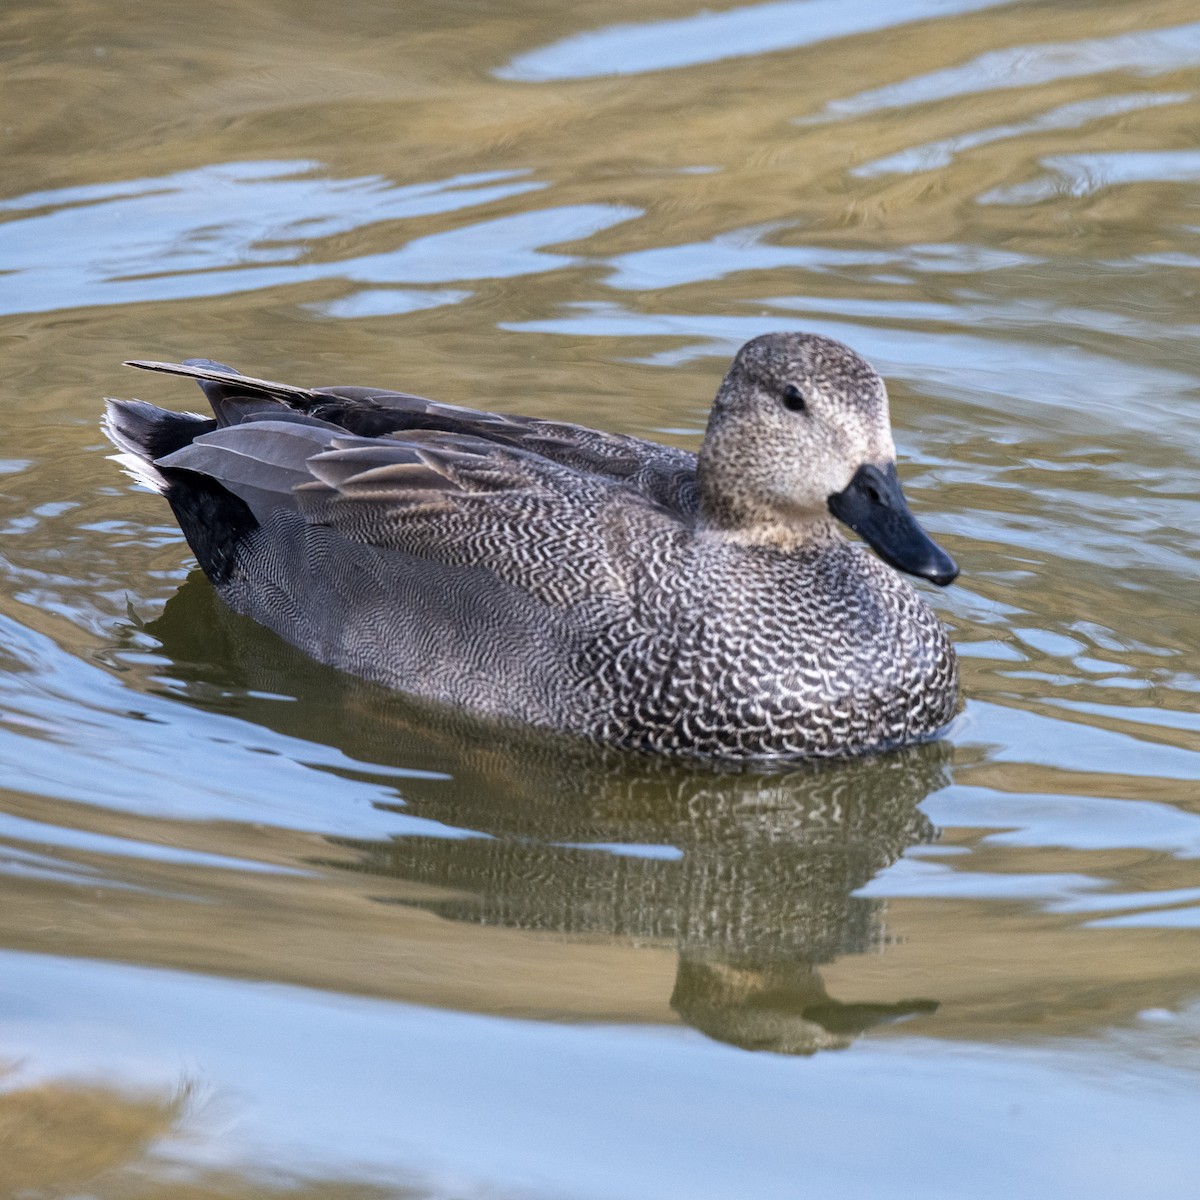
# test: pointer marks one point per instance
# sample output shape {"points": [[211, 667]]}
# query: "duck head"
{"points": [[800, 434]]}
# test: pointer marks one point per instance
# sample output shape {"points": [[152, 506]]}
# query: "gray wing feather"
{"points": [[662, 474], [535, 502], [260, 462], [459, 501]]}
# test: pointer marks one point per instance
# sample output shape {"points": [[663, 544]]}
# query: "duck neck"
{"points": [[788, 532], [740, 501]]}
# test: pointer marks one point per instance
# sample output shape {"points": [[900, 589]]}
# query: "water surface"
{"points": [[266, 930]]}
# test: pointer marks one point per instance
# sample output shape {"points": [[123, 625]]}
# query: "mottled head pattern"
{"points": [[793, 420]]}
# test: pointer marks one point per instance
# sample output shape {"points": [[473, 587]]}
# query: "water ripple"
{"points": [[1142, 52], [934, 155], [712, 36], [1086, 174], [240, 227]]}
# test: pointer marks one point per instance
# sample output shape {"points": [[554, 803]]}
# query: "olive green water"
{"points": [[266, 931]]}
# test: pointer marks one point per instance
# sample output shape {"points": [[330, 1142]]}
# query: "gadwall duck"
{"points": [[579, 581]]}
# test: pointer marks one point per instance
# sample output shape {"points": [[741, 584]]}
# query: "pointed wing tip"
{"points": [[199, 368]]}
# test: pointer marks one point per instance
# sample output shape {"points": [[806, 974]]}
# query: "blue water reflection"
{"points": [[933, 156], [1146, 52], [1078, 822], [68, 733], [749, 249], [1085, 174], [713, 36], [383, 1093], [1063, 386], [239, 227]]}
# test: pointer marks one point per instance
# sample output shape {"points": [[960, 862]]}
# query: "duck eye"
{"points": [[793, 399]]}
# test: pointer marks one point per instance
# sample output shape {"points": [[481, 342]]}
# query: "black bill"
{"points": [[874, 507]]}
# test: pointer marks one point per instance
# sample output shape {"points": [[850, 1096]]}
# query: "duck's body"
{"points": [[558, 576]]}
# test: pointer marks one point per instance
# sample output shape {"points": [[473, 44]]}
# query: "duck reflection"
{"points": [[751, 873]]}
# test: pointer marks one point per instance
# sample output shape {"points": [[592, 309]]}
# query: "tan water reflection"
{"points": [[62, 1137], [59, 1138]]}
